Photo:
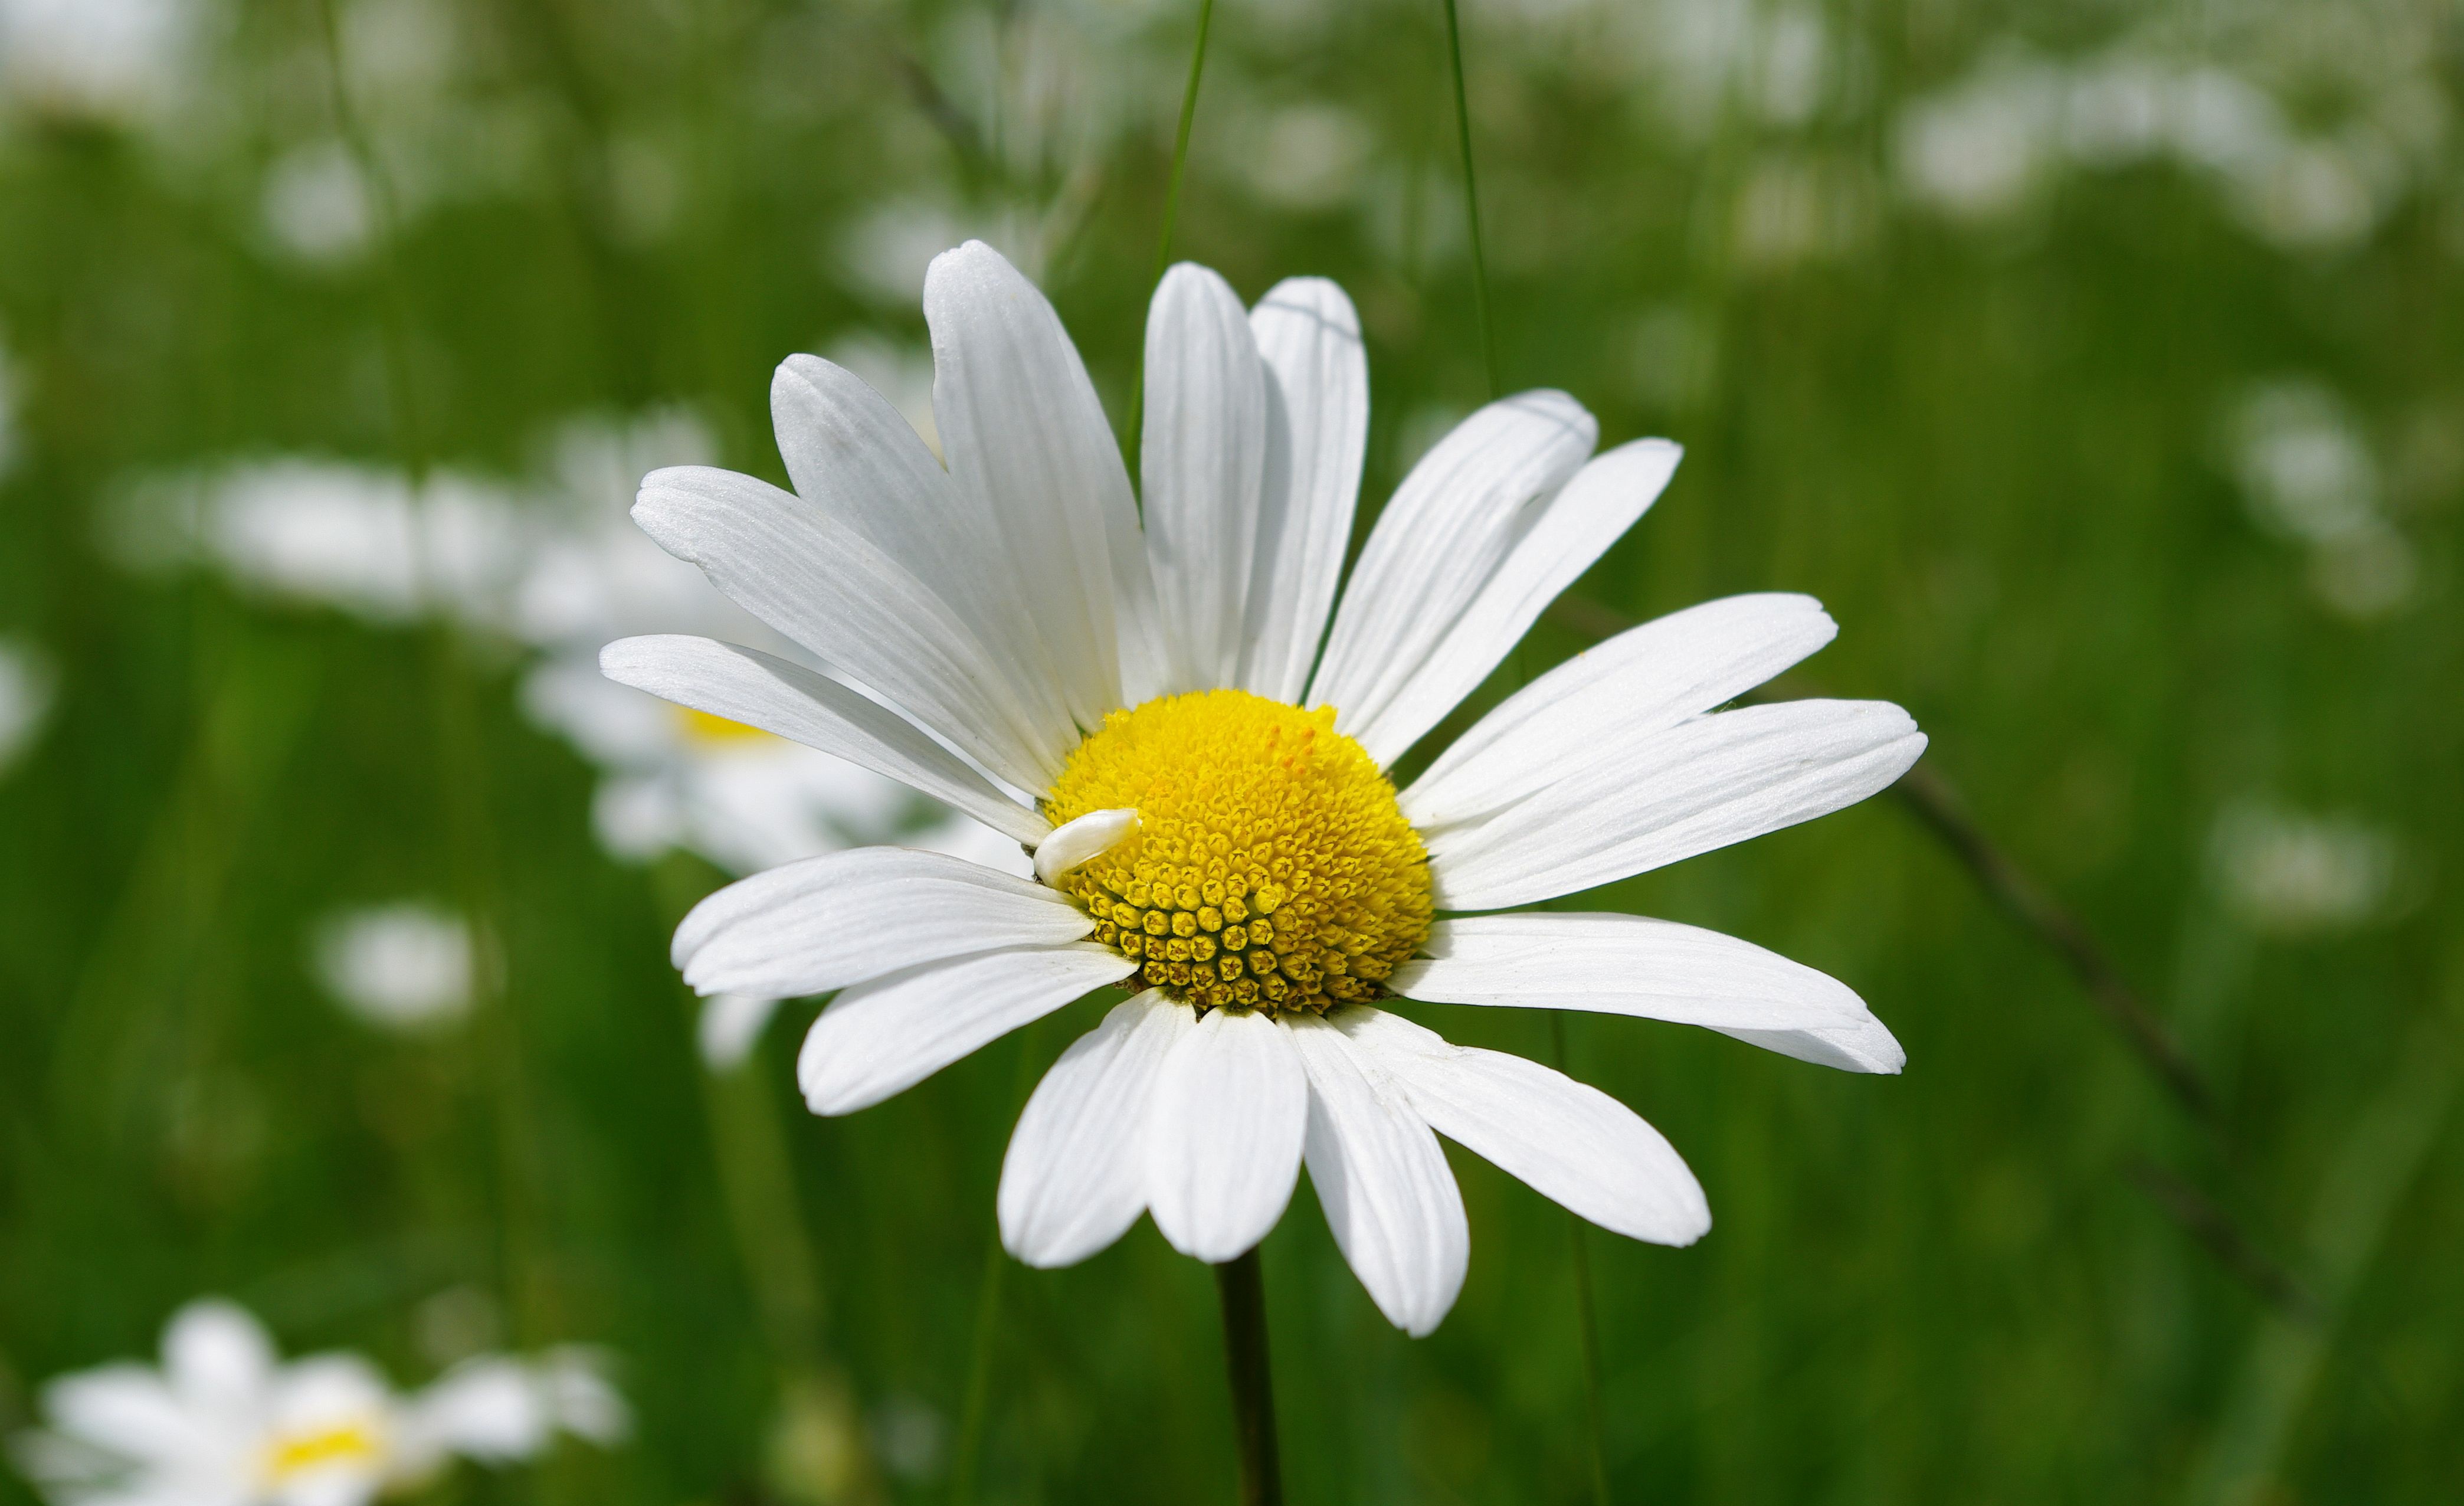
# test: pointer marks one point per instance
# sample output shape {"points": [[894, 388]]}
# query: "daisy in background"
{"points": [[26, 687], [558, 567], [1148, 708], [226, 1421]]}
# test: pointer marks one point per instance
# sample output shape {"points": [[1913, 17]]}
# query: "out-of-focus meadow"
{"points": [[2100, 367]]}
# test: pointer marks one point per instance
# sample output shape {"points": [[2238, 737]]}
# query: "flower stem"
{"points": [[1587, 1316], [1253, 1388], [1171, 205], [1471, 205]]}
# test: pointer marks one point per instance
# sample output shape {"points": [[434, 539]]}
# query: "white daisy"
{"points": [[1205, 792], [225, 1422]]}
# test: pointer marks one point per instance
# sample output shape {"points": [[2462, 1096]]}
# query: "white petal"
{"points": [[884, 1036], [1701, 784], [824, 585], [731, 1024], [1080, 841], [1230, 1109], [845, 918], [1653, 969], [1317, 429], [761, 690], [1199, 454], [1644, 680], [1450, 528], [1559, 541], [1075, 1177], [1026, 436], [1388, 1194], [1573, 1145], [127, 1410], [852, 456], [218, 1356], [488, 1408]]}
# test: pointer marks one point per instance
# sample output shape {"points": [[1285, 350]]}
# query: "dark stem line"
{"points": [[1936, 803], [1471, 205], [1253, 1389], [2232, 1246], [1586, 1311], [1171, 207]]}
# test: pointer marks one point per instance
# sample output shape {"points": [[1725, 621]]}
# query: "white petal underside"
{"points": [[846, 917], [1026, 437], [1559, 539], [1701, 784], [822, 584], [1317, 429], [1389, 1196], [1573, 1145], [852, 455], [1653, 969], [1075, 1176], [1224, 1135], [1452, 523], [1201, 452], [1603, 699], [761, 690], [880, 1038]]}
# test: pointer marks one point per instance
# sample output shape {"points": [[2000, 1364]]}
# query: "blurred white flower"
{"points": [[225, 1422], [316, 205], [1795, 208], [360, 538], [401, 965], [1307, 157], [2285, 874], [912, 1438], [109, 59], [2312, 122], [27, 682], [2308, 473]]}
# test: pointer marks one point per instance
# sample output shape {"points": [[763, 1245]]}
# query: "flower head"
{"points": [[1167, 705], [225, 1422]]}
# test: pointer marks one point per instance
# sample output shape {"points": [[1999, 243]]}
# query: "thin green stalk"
{"points": [[968, 1452], [1471, 205], [1587, 1315], [1172, 202]]}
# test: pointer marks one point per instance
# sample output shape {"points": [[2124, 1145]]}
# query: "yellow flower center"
{"points": [[1271, 867], [351, 1443]]}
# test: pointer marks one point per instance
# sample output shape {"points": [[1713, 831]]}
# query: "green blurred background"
{"points": [[2096, 364]]}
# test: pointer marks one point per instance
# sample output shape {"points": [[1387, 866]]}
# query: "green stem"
{"points": [[1471, 205], [966, 1456], [1246, 1366], [1172, 201], [1587, 1315]]}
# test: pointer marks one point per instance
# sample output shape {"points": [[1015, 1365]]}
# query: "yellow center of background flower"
{"points": [[298, 1453], [1271, 869]]}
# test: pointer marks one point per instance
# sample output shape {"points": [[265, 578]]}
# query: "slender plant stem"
{"points": [[1587, 1312], [966, 1457], [1471, 205], [1171, 207], [1180, 140], [1243, 1290]]}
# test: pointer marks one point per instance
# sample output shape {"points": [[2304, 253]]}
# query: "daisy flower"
{"points": [[225, 1422], [1147, 707]]}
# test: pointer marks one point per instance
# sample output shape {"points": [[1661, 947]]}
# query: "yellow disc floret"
{"points": [[1271, 867]]}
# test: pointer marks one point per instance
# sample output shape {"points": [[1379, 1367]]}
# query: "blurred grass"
{"points": [[1990, 452]]}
